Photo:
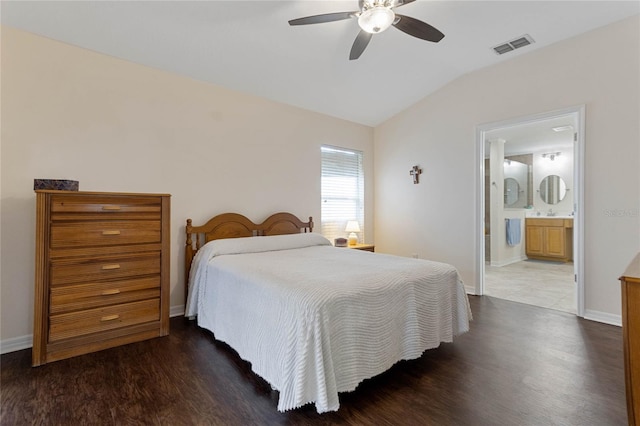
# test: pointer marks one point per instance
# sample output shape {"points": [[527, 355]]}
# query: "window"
{"points": [[342, 191]]}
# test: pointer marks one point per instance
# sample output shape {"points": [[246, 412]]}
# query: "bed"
{"points": [[315, 320]]}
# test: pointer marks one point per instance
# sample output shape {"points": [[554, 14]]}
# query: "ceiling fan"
{"points": [[374, 17]]}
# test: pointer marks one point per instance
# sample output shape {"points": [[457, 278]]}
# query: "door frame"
{"points": [[578, 194]]}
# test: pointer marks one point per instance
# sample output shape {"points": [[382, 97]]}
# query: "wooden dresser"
{"points": [[631, 336], [102, 271]]}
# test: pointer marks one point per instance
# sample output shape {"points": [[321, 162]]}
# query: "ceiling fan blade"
{"points": [[415, 27], [319, 19], [360, 43]]}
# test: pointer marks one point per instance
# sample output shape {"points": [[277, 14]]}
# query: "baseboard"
{"points": [[16, 344], [176, 311], [603, 317], [25, 342], [508, 261]]}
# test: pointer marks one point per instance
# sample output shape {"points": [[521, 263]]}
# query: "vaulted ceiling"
{"points": [[248, 45]]}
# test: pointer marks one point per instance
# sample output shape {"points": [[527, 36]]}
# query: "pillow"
{"points": [[261, 244]]}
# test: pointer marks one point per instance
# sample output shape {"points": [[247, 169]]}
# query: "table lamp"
{"points": [[353, 226]]}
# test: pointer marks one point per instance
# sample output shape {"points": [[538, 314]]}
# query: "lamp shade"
{"points": [[352, 226]]}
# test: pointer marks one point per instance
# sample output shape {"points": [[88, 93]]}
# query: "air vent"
{"points": [[517, 43]]}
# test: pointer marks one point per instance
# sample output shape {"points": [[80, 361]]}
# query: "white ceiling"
{"points": [[248, 45]]}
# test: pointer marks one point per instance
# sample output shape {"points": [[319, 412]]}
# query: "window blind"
{"points": [[342, 191]]}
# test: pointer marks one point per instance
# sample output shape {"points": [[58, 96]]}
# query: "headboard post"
{"points": [[188, 257]]}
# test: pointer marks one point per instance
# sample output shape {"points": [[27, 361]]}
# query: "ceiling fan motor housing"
{"points": [[376, 19]]}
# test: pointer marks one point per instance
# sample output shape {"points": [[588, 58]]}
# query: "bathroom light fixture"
{"points": [[376, 19], [550, 155], [353, 226]]}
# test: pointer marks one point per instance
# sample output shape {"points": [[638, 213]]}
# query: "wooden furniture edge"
{"points": [[165, 265], [363, 247], [40, 321], [134, 194], [630, 275], [627, 359]]}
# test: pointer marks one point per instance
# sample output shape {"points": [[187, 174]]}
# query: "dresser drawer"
{"points": [[107, 233], [84, 296], [70, 206], [107, 268], [89, 321]]}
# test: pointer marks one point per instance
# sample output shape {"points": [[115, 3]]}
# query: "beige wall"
{"points": [[436, 219], [70, 113]]}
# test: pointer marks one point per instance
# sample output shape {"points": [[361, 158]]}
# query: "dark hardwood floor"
{"points": [[519, 365]]}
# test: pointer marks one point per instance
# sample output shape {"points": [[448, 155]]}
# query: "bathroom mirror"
{"points": [[516, 178], [552, 189], [511, 191]]}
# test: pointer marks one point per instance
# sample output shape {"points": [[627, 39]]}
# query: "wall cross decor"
{"points": [[415, 172]]}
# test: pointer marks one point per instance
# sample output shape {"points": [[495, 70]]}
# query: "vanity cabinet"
{"points": [[630, 281], [549, 238], [102, 271]]}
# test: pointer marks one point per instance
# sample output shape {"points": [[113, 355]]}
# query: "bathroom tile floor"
{"points": [[534, 282]]}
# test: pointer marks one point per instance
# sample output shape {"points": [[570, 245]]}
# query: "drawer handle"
{"points": [[110, 317], [110, 207], [110, 232], [111, 291], [113, 266]]}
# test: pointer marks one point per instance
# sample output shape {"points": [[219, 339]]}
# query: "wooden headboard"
{"points": [[234, 225]]}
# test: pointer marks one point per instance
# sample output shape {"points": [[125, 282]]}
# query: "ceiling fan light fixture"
{"points": [[376, 19]]}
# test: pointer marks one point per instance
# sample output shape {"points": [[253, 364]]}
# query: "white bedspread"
{"points": [[314, 320]]}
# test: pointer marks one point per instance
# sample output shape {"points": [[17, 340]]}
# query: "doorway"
{"points": [[529, 210]]}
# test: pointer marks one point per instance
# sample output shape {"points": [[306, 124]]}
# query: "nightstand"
{"points": [[364, 247]]}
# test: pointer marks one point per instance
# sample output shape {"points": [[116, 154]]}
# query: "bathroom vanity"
{"points": [[549, 238]]}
